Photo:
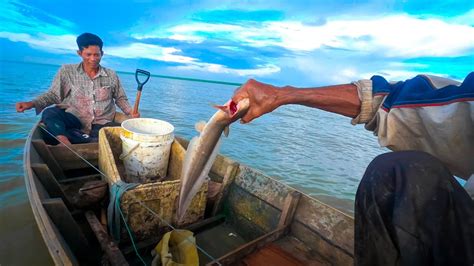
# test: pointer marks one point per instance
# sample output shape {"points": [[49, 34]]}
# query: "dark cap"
{"points": [[86, 39]]}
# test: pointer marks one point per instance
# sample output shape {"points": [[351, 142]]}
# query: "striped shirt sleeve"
{"points": [[52, 96]]}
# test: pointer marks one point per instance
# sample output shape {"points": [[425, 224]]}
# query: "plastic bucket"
{"points": [[146, 145]]}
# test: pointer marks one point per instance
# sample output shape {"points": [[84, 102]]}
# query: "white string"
{"points": [[139, 202]]}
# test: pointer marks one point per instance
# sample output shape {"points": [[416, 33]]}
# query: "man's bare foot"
{"points": [[63, 140]]}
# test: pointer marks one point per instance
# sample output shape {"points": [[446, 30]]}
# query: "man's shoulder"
{"points": [[109, 71], [69, 67]]}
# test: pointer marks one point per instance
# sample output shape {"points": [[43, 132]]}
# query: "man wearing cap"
{"points": [[85, 95]]}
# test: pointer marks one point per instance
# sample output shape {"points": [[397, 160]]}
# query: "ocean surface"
{"points": [[319, 153]]}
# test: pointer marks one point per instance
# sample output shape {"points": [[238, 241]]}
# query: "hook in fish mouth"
{"points": [[230, 108]]}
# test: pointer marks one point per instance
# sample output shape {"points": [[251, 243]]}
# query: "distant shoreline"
{"points": [[133, 73]]}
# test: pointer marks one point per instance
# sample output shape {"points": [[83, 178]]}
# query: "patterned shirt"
{"points": [[92, 101]]}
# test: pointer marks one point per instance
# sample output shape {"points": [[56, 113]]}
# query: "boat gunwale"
{"points": [[50, 236]]}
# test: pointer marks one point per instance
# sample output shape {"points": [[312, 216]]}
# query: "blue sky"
{"points": [[303, 43]]}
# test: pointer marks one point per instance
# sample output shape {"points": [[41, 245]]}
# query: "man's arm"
{"points": [[121, 99], [264, 98]]}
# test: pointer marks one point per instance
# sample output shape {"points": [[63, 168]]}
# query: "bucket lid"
{"points": [[146, 128]]}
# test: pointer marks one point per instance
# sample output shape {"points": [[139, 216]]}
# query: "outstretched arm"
{"points": [[23, 106], [264, 98]]}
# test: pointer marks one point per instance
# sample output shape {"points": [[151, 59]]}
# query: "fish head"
{"points": [[234, 110]]}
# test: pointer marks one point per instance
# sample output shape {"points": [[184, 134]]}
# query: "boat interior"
{"points": [[239, 217]]}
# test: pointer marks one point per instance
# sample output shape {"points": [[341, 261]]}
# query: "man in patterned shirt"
{"points": [[85, 95]]}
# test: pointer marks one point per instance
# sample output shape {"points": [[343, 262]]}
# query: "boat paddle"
{"points": [[142, 77]]}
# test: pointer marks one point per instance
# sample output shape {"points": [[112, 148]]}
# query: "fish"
{"points": [[203, 149]]}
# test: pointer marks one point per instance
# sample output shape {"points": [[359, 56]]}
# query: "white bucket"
{"points": [[146, 145]]}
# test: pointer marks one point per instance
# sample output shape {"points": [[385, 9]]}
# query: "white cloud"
{"points": [[52, 43], [216, 68], [149, 51], [189, 32], [186, 38], [393, 36], [155, 52]]}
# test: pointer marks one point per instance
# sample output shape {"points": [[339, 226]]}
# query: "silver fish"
{"points": [[202, 151]]}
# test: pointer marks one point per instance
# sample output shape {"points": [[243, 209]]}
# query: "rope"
{"points": [[116, 191], [188, 79], [130, 235], [139, 202]]}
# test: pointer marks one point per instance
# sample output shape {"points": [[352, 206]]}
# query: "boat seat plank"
{"points": [[206, 223], [67, 226], [289, 208], [48, 158], [110, 248], [229, 177], [50, 183], [68, 160], [82, 179]]}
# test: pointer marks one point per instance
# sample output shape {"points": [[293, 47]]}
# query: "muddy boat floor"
{"points": [[220, 240], [224, 238]]}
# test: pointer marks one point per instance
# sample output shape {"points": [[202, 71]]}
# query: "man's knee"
{"points": [[411, 168], [408, 162], [52, 113]]}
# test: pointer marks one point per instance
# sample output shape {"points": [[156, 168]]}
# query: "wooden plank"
{"points": [[272, 254], [262, 186], [49, 182], [259, 214], [110, 248], [48, 158], [72, 165], [66, 225], [59, 253], [289, 208], [323, 247], [86, 150], [202, 225], [307, 254], [220, 165], [228, 179], [83, 179], [68, 160], [248, 248], [331, 224], [286, 217]]}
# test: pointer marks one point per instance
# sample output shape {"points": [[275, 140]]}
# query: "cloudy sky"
{"points": [[302, 43]]}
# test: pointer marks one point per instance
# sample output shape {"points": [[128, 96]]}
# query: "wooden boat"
{"points": [[252, 219]]}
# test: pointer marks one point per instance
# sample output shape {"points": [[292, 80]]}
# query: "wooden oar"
{"points": [[146, 75]]}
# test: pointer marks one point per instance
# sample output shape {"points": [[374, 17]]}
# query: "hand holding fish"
{"points": [[262, 98]]}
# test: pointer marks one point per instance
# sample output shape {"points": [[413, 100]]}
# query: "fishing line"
{"points": [[139, 202]]}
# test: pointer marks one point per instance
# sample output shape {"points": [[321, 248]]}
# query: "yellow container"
{"points": [[151, 206]]}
